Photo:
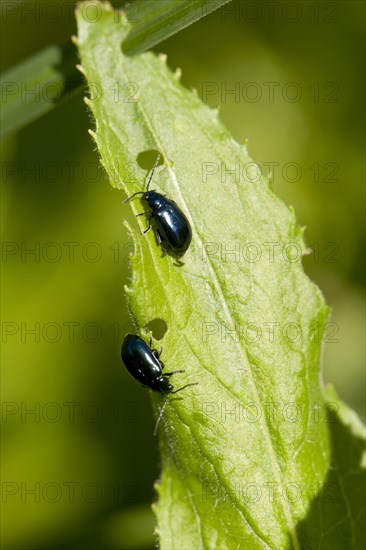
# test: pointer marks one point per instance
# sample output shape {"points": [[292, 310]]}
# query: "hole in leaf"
{"points": [[157, 327], [146, 159]]}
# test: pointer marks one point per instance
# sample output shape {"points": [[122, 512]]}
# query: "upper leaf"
{"points": [[34, 87], [155, 21], [43, 81], [248, 452]]}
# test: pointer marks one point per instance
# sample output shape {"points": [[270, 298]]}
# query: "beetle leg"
{"points": [[160, 241], [143, 214], [174, 372], [156, 352], [148, 229], [163, 249], [158, 237]]}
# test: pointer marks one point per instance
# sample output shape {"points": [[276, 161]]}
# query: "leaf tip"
{"points": [[157, 487], [163, 57], [128, 289], [80, 68], [178, 73], [93, 134]]}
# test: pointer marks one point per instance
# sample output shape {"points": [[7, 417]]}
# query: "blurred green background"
{"points": [[78, 471]]}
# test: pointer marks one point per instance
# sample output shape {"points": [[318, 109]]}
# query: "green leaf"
{"points": [[34, 87], [248, 454], [155, 21]]}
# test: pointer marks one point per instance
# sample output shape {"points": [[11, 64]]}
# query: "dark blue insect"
{"points": [[145, 365], [172, 229]]}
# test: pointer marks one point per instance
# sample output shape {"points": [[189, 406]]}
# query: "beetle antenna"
{"points": [[152, 171], [132, 196], [184, 387], [160, 415], [165, 404]]}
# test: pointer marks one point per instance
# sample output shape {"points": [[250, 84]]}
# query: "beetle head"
{"points": [[154, 199]]}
